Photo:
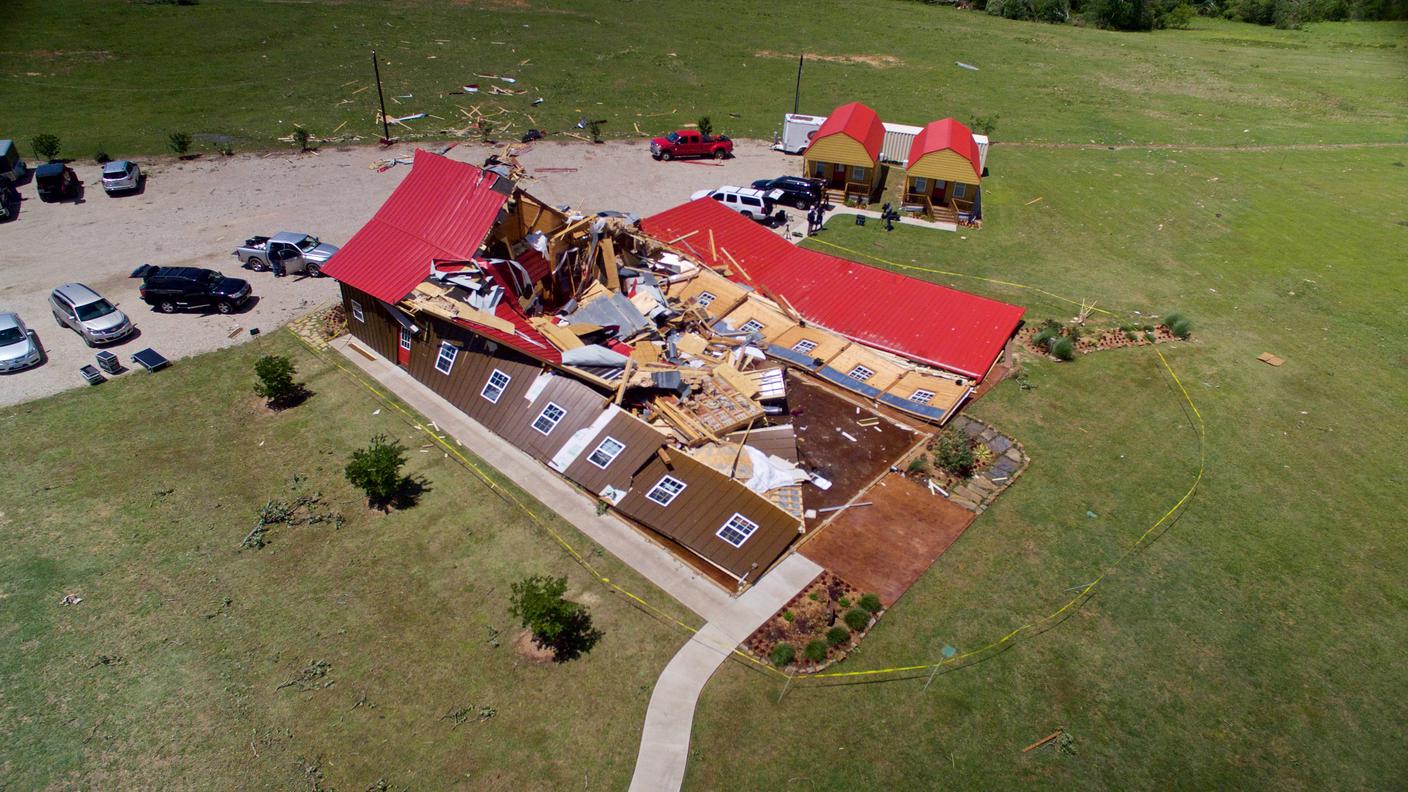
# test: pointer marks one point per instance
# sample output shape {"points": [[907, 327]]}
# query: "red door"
{"points": [[403, 352]]}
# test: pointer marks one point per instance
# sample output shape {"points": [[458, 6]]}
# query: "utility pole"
{"points": [[385, 130], [797, 97]]}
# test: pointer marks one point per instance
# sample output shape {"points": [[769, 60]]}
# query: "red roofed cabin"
{"points": [[943, 173], [845, 152]]}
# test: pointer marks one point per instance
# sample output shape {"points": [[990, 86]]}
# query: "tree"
{"points": [[275, 383], [557, 623], [706, 126], [1121, 14], [376, 470], [301, 137], [180, 143], [46, 146]]}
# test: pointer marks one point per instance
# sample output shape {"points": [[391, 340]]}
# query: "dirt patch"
{"points": [[885, 547], [874, 61], [526, 648]]}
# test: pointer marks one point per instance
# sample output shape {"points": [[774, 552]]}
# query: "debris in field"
{"points": [[462, 715], [537, 101], [377, 411], [847, 435], [108, 660], [71, 599], [1270, 359], [1034, 200], [1092, 515], [1044, 740], [307, 679], [968, 66], [846, 506]]}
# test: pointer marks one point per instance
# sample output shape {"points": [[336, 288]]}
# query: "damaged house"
{"points": [[645, 362]]}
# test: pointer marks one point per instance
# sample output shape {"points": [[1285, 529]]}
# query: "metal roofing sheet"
{"points": [[916, 319], [443, 209]]}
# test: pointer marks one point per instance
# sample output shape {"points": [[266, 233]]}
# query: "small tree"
{"points": [[274, 382], [101, 156], [706, 126], [558, 624], [376, 470], [301, 137], [954, 453], [180, 143], [45, 146]]}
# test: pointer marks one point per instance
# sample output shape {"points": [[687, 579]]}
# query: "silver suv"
{"points": [[83, 310]]}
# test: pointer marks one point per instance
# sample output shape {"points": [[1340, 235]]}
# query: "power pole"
{"points": [[797, 97], [385, 130]]}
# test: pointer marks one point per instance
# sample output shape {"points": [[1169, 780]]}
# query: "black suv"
{"points": [[797, 191], [169, 288]]}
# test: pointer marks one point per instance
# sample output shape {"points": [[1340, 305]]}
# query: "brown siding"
{"points": [[583, 405], [709, 499], [641, 443], [377, 330], [780, 441]]}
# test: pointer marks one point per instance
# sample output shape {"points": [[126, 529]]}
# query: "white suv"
{"points": [[752, 204]]}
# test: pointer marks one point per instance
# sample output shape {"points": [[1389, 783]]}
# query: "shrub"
{"points": [[783, 654], [45, 146], [984, 125], [919, 464], [1179, 325], [1054, 11], [837, 635], [1063, 348], [844, 602], [1178, 17], [815, 651], [706, 126], [226, 150], [557, 623], [871, 602], [180, 142], [376, 469], [787, 615], [101, 155], [301, 138], [954, 453], [802, 623], [274, 379], [857, 619], [1120, 14]]}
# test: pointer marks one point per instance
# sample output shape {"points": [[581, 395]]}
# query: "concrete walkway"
{"points": [[664, 748]]}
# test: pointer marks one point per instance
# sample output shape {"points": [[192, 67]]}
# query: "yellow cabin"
{"points": [[845, 152], [943, 173]]}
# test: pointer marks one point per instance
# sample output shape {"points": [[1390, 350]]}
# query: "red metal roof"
{"points": [[858, 122], [443, 209], [946, 134], [912, 318]]}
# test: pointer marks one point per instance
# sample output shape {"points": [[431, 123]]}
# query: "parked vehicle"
{"points": [[167, 289], [751, 203], [797, 191], [9, 200], [689, 143], [19, 346], [12, 167], [87, 313], [296, 252], [57, 182], [121, 176]]}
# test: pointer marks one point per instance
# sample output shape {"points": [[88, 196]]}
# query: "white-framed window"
{"points": [[805, 346], [406, 338], [921, 185], [858, 173], [495, 387], [819, 170], [960, 190], [860, 373], [751, 326], [548, 418], [922, 396], [606, 452], [446, 359], [737, 530], [665, 490], [357, 311], [704, 298]]}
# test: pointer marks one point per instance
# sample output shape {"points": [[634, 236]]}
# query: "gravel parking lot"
{"points": [[193, 213]]}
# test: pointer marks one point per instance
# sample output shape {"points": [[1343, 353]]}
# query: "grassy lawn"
{"points": [[135, 496], [1258, 643], [124, 75]]}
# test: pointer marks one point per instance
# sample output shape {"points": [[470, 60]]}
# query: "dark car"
{"points": [[797, 191], [57, 182], [169, 288]]}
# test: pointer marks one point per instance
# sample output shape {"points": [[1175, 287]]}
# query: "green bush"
{"points": [[1053, 11], [857, 619], [783, 654], [1179, 325], [919, 464], [1017, 9], [301, 138], [558, 624], [46, 146], [844, 602], [1120, 14], [954, 453], [376, 469], [1178, 17], [787, 615], [706, 126], [1063, 348], [274, 380], [180, 142], [871, 602], [101, 155], [837, 635], [815, 651]]}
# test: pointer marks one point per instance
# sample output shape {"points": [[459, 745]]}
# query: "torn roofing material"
{"points": [[442, 210], [925, 322]]}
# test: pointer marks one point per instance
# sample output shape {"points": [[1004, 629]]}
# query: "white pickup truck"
{"points": [[298, 253]]}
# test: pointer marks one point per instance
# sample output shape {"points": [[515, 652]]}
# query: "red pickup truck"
{"points": [[689, 143]]}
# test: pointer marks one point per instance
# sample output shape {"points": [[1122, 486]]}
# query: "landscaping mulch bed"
{"points": [[1097, 340], [1000, 460], [817, 609]]}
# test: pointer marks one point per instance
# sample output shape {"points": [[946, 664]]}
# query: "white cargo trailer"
{"points": [[797, 131]]}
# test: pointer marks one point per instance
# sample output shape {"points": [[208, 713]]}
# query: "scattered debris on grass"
{"points": [[302, 510], [463, 715], [312, 677], [70, 599], [1270, 359]]}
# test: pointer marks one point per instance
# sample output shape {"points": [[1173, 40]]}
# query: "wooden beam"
{"points": [[608, 263], [625, 378]]}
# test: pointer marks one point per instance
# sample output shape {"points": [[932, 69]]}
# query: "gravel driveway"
{"points": [[193, 213]]}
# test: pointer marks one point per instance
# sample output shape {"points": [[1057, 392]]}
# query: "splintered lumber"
{"points": [[743, 384], [625, 378], [683, 237], [561, 337], [645, 352], [1270, 359], [1044, 740], [423, 299], [690, 428], [713, 252], [693, 343], [741, 271], [608, 263]]}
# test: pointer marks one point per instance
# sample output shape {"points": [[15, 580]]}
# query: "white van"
{"points": [[752, 204]]}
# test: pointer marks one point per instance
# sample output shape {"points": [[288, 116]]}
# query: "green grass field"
{"points": [[136, 495], [124, 75]]}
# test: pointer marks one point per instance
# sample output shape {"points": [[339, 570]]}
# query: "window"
{"points": [[730, 198], [751, 326], [749, 200], [920, 183], [446, 359], [858, 173], [717, 196], [960, 190], [737, 530], [606, 452], [357, 311], [805, 346], [922, 396], [548, 418], [819, 170], [405, 339], [495, 387], [665, 490], [704, 298], [861, 373]]}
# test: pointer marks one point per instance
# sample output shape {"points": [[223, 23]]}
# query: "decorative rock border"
{"points": [[320, 325], [1009, 459]]}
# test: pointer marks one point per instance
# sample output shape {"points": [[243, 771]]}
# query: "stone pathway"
{"points": [[1009, 460]]}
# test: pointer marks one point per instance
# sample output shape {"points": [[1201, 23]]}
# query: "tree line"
{"points": [[1157, 14]]}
